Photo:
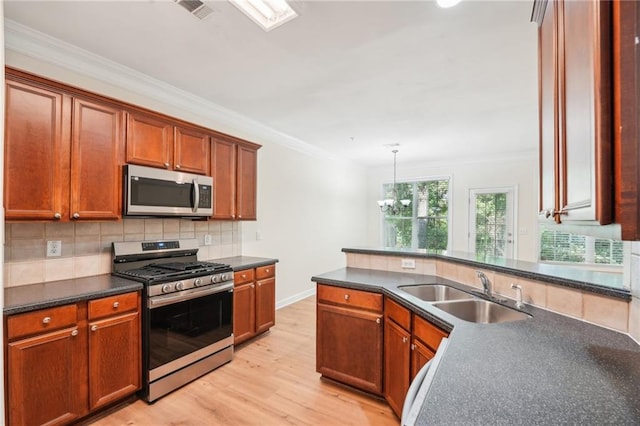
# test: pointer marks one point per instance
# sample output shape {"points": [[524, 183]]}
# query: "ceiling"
{"points": [[346, 76]]}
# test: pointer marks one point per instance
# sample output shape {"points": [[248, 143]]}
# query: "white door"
{"points": [[491, 222]]}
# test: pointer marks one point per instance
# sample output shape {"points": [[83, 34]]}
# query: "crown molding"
{"points": [[35, 44]]}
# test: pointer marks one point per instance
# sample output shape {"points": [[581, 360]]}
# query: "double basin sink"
{"points": [[463, 305]]}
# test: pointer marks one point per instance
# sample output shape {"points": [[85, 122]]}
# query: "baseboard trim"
{"points": [[295, 298]]}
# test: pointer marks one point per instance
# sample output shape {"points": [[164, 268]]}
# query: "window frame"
{"points": [[382, 195]]}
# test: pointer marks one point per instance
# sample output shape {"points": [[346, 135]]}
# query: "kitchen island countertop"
{"points": [[549, 369]]}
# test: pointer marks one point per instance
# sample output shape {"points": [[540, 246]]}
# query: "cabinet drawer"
{"points": [[399, 314], [41, 321], [241, 277], [113, 305], [265, 272], [349, 297], [428, 333]]}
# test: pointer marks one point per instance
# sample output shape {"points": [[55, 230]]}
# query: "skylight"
{"points": [[268, 14]]}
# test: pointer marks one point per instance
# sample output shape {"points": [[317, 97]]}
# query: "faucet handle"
{"points": [[518, 289]]}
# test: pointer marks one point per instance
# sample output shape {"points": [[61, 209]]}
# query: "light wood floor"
{"points": [[271, 381]]}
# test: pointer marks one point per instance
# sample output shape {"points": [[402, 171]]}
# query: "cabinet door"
{"points": [[420, 355], [349, 347], [265, 304], [149, 141], [191, 151], [36, 165], [548, 94], [397, 357], [46, 378], [97, 142], [585, 116], [114, 358], [247, 183], [223, 171], [244, 312]]}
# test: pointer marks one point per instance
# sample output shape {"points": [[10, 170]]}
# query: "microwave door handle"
{"points": [[196, 198]]}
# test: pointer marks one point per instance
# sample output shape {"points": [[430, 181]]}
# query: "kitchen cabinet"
{"points": [[234, 172], [62, 154], [157, 142], [254, 302], [65, 362], [575, 110], [409, 343], [349, 337]]}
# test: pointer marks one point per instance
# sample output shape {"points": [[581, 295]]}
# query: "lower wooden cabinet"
{"points": [[349, 345], [254, 302], [63, 363]]}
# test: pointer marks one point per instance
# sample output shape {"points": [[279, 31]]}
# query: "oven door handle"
{"points": [[158, 301]]}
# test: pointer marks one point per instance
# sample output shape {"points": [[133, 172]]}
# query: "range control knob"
{"points": [[197, 282], [215, 278], [180, 286], [224, 277], [167, 288]]}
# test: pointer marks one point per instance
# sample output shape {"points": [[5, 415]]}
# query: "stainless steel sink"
{"points": [[435, 292], [481, 311]]}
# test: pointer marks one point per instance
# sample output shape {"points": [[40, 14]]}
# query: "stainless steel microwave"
{"points": [[158, 192]]}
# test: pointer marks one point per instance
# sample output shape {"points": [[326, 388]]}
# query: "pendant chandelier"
{"points": [[392, 205]]}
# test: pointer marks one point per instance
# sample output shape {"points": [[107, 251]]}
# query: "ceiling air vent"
{"points": [[196, 8]]}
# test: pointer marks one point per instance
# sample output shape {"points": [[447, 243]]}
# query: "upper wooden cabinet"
{"points": [[62, 155], [155, 142], [575, 110], [234, 172]]}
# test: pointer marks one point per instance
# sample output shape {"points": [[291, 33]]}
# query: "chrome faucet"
{"points": [[486, 284], [518, 289]]}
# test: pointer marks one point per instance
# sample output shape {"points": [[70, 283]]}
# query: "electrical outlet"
{"points": [[408, 263], [207, 240], [54, 248]]}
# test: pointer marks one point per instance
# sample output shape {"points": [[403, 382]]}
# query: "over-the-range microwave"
{"points": [[158, 192]]}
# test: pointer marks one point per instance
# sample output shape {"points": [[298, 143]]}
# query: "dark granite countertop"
{"points": [[239, 263], [54, 293], [549, 369], [606, 283]]}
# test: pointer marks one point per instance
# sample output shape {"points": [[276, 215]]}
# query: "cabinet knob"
{"points": [[413, 347], [244, 276], [377, 320], [177, 166], [74, 332], [115, 305], [166, 165], [57, 215], [346, 297], [94, 327], [253, 286], [404, 339], [76, 215], [267, 270], [46, 320]]}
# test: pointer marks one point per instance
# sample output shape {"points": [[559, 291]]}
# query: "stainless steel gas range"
{"points": [[187, 318]]}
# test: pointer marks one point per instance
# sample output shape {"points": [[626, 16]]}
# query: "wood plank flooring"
{"points": [[271, 381]]}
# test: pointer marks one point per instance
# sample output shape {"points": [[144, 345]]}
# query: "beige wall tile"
{"points": [[533, 292], [22, 273], [634, 319], [565, 301], [171, 226], [215, 252], [133, 226], [214, 226], [134, 237], [106, 263], [85, 246], [226, 226], [201, 226], [58, 269], [26, 249], [153, 226], [379, 262], [350, 259], [111, 228], [86, 266], [606, 311], [87, 228], [468, 275], [359, 260], [188, 226], [55, 230], [27, 230]]}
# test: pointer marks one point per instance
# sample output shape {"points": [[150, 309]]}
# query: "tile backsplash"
{"points": [[86, 247]]}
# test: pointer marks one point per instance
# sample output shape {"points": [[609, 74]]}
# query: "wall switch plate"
{"points": [[207, 240], [54, 248], [408, 263]]}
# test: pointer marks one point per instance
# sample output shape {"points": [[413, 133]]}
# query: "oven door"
{"points": [[185, 331], [157, 192]]}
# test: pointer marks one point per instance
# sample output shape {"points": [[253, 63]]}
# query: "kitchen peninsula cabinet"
{"points": [[234, 172], [575, 110], [409, 343], [62, 154], [254, 302], [65, 362], [349, 337], [157, 142]]}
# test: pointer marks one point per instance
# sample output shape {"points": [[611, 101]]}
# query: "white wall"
{"points": [[516, 171]]}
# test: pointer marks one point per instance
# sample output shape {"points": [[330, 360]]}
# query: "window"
{"points": [[562, 246], [423, 224], [491, 222]]}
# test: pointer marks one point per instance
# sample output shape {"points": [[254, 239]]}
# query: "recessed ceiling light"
{"points": [[268, 14], [447, 3]]}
